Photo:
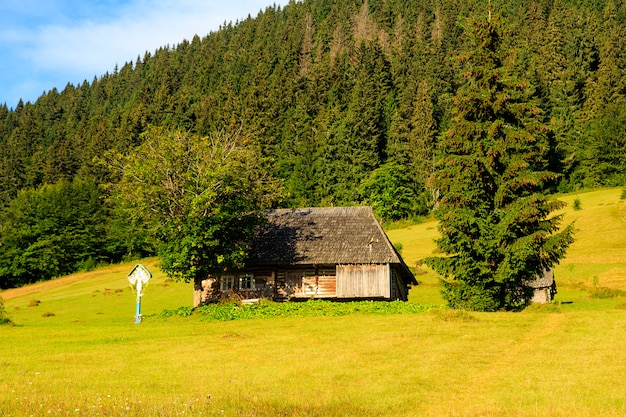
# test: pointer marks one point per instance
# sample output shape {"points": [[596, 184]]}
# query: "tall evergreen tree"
{"points": [[560, 87], [605, 163], [422, 135], [496, 229], [366, 116]]}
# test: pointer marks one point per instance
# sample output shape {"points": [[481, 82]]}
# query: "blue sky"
{"points": [[47, 43]]}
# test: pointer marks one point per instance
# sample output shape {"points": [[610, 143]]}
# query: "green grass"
{"points": [[88, 358], [596, 258]]}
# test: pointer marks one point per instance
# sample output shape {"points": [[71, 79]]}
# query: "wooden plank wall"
{"points": [[326, 286], [371, 280], [311, 284], [346, 281]]}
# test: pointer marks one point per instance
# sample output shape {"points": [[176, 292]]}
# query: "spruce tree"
{"points": [[606, 148], [496, 227], [423, 132]]}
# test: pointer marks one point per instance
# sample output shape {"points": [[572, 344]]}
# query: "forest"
{"points": [[345, 102]]}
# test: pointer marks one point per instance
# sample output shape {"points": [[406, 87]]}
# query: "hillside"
{"points": [[596, 258], [332, 91], [345, 102], [76, 351]]}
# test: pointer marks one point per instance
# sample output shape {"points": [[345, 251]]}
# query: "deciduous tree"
{"points": [[200, 197], [392, 194], [50, 231]]}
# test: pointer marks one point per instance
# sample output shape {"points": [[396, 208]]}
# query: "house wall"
{"points": [[542, 296], [341, 281], [307, 283], [321, 284], [364, 281], [281, 283]]}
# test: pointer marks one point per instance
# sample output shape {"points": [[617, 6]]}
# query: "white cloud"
{"points": [[47, 43], [95, 47]]}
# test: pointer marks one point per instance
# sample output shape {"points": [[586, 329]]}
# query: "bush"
{"points": [[398, 247], [4, 319], [392, 194], [460, 295], [312, 308], [180, 311], [604, 292]]}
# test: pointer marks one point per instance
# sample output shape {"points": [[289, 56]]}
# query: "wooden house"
{"points": [[336, 253]]}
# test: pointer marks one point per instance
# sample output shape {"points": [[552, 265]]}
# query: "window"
{"points": [[260, 283], [246, 282], [227, 283]]}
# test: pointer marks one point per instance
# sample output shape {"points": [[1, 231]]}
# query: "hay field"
{"points": [[75, 350], [596, 258]]}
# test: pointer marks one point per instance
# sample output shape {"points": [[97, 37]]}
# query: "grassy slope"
{"points": [[97, 297], [598, 256], [90, 359]]}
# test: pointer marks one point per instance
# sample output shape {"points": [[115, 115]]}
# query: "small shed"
{"points": [[543, 286], [337, 253]]}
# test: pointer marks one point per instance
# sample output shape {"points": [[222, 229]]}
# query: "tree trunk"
{"points": [[197, 292]]}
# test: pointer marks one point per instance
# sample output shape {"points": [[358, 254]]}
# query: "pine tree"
{"points": [[495, 222], [365, 118], [558, 80], [605, 163], [422, 135]]}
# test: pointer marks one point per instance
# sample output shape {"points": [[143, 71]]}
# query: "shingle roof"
{"points": [[542, 281], [329, 235]]}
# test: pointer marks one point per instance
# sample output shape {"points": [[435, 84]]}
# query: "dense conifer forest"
{"points": [[345, 100]]}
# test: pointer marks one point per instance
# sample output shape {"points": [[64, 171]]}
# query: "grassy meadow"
{"points": [[75, 351]]}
